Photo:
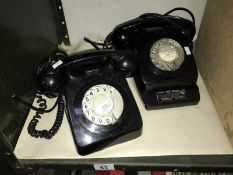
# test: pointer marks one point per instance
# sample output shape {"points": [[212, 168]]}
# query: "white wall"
{"points": [[98, 17]]}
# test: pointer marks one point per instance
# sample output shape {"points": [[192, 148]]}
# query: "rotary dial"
{"points": [[102, 104], [167, 54]]}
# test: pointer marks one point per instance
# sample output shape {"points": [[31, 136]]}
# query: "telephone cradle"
{"points": [[98, 101]]}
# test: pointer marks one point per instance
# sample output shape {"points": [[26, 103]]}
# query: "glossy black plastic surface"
{"points": [[154, 78], [79, 72], [123, 60], [124, 35], [90, 137], [152, 81], [190, 96], [51, 81]]}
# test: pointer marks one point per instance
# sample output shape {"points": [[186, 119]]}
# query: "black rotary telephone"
{"points": [[91, 86], [167, 72]]}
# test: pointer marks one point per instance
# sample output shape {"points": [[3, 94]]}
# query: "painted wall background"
{"points": [[90, 18]]}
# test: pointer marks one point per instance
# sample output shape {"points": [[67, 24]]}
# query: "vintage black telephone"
{"points": [[167, 72], [155, 49], [99, 104]]}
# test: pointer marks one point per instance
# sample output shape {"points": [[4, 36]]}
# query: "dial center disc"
{"points": [[102, 104], [168, 53]]}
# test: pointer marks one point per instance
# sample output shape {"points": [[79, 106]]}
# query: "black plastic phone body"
{"points": [[90, 137], [163, 89], [73, 75], [159, 88]]}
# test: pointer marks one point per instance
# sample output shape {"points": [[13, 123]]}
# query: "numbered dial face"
{"points": [[102, 104], [167, 54]]}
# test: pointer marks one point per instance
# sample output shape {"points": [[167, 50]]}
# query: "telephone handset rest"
{"points": [[51, 80], [123, 35]]}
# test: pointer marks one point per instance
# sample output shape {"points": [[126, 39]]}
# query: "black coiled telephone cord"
{"points": [[47, 134]]}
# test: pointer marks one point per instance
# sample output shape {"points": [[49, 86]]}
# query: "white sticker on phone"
{"points": [[104, 167], [58, 63], [187, 50]]}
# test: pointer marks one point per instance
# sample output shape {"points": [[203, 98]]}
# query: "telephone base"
{"points": [[170, 98], [87, 149], [89, 136]]}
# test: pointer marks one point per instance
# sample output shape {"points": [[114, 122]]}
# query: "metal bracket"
{"points": [[62, 31]]}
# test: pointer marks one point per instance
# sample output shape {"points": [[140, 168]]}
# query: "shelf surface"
{"points": [[189, 130]]}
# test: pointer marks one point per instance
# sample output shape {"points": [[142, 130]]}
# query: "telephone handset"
{"points": [[53, 73], [98, 102], [124, 35]]}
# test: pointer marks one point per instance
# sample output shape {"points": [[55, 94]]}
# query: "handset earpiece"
{"points": [[49, 77], [48, 62], [126, 62]]}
